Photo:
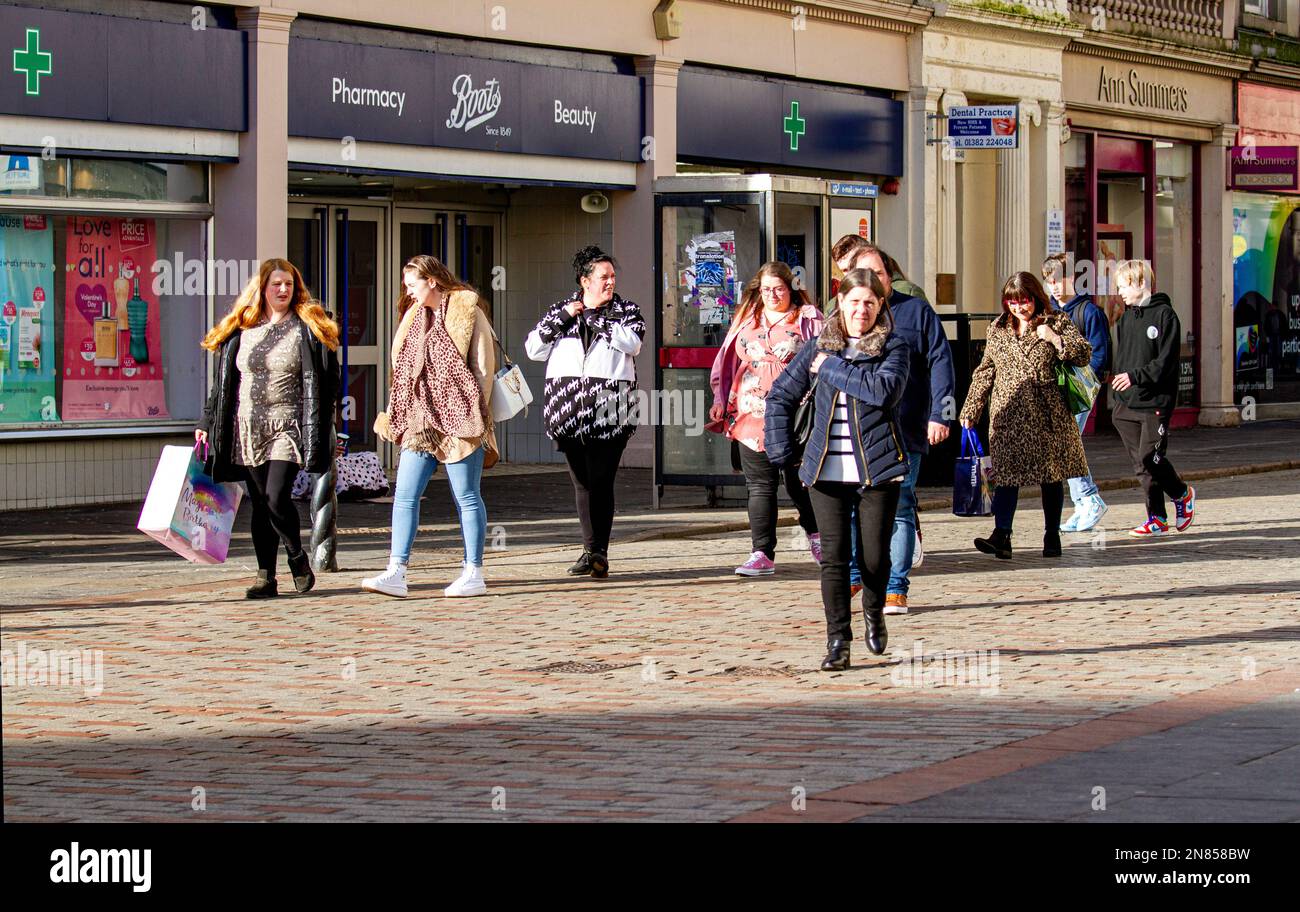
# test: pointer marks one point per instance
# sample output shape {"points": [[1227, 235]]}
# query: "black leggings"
{"points": [[833, 502], [593, 466], [1006, 497], [275, 518], [762, 478]]}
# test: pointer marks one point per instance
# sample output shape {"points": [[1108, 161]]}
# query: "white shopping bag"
{"points": [[186, 510]]}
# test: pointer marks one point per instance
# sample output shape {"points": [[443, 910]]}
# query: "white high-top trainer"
{"points": [[470, 583], [391, 582]]}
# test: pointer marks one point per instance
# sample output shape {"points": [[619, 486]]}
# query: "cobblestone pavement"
{"points": [[672, 691]]}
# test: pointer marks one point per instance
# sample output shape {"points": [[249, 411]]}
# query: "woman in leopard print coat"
{"points": [[1033, 438]]}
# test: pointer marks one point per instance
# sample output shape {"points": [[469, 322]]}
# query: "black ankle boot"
{"points": [[999, 543], [300, 567], [1052, 544], [582, 566], [599, 565], [877, 635], [265, 587], [837, 656]]}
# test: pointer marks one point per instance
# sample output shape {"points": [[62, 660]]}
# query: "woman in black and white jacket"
{"points": [[589, 342]]}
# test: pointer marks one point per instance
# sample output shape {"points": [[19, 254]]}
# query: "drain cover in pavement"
{"points": [[757, 671], [580, 667]]}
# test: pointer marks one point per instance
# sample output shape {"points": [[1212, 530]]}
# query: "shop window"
{"points": [[100, 320], [88, 178], [1175, 243], [1266, 296]]}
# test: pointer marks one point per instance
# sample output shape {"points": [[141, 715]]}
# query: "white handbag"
{"points": [[510, 392]]}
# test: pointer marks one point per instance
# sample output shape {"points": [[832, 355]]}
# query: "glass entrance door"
{"points": [[341, 253]]}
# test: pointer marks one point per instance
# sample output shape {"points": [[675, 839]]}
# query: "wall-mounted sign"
{"points": [[984, 126], [1265, 168], [1118, 86], [110, 68], [420, 98], [751, 120], [1055, 231]]}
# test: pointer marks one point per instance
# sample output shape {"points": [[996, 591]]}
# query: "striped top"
{"points": [[840, 463]]}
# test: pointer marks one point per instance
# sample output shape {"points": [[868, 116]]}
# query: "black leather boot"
{"points": [[582, 566], [998, 543], [599, 565], [1052, 544], [877, 635], [300, 567], [837, 656], [265, 587]]}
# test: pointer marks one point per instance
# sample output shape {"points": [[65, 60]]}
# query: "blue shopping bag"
{"points": [[972, 494]]}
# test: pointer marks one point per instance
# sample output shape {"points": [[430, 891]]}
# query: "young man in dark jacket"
{"points": [[1087, 317], [1148, 337], [923, 415]]}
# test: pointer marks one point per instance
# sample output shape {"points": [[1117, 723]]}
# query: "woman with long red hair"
{"points": [[271, 409]]}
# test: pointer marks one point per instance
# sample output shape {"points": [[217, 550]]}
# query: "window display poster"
{"points": [[26, 319], [1266, 295], [112, 335], [710, 276]]}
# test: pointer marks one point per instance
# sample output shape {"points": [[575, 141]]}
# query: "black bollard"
{"points": [[324, 521]]}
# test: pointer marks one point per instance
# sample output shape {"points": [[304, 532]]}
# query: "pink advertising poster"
{"points": [[112, 337]]}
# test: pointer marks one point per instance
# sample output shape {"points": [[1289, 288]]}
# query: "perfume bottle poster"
{"points": [[112, 335], [26, 319]]}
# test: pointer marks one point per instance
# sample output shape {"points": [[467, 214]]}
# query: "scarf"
{"points": [[434, 393]]}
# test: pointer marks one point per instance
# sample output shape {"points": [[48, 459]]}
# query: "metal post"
{"points": [[324, 518]]}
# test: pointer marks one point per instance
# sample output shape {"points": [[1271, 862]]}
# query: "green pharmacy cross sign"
{"points": [[795, 126], [33, 62]]}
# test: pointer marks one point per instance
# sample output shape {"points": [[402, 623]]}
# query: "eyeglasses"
{"points": [[777, 292], [1020, 303]]}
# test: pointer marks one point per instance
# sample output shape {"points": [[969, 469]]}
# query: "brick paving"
{"points": [[704, 704]]}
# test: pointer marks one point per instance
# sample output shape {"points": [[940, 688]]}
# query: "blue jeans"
{"points": [[1083, 487], [902, 544], [413, 474]]}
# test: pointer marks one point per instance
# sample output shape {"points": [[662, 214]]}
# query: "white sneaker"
{"points": [[470, 583], [391, 582], [1093, 509]]}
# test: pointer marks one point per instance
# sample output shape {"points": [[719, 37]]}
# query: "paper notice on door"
{"points": [[710, 276]]}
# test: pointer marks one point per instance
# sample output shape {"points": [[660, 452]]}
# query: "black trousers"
{"points": [[1006, 497], [593, 466], [762, 478], [275, 518], [1145, 433], [833, 502]]}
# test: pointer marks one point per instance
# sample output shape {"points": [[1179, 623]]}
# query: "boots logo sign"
{"points": [[475, 106]]}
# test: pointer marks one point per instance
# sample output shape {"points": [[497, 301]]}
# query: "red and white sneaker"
{"points": [[1151, 528], [759, 564], [1185, 508]]}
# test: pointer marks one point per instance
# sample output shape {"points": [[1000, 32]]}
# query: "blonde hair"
{"points": [[1135, 272], [250, 308], [432, 270]]}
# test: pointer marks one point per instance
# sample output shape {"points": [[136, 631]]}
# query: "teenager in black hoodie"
{"points": [[1145, 382]]}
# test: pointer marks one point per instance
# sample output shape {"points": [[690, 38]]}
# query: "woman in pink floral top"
{"points": [[771, 325]]}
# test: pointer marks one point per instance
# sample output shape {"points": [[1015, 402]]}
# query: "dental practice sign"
{"points": [[984, 126], [394, 95]]}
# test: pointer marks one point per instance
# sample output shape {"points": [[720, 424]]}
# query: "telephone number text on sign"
{"points": [[983, 142]]}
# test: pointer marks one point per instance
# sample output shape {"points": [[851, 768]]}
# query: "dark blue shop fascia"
{"points": [[94, 67], [749, 119]]}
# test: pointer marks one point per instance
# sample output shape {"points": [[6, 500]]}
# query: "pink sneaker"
{"points": [[815, 546], [759, 564]]}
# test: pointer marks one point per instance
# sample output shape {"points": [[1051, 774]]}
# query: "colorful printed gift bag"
{"points": [[186, 510]]}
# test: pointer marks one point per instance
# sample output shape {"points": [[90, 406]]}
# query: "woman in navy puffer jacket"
{"points": [[855, 454]]}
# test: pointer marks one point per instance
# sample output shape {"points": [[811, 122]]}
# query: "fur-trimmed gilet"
{"points": [[470, 330]]}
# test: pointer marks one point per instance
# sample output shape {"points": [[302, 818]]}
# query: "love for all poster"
{"points": [[26, 319], [112, 334]]}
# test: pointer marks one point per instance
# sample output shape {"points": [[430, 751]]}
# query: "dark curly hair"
{"points": [[585, 260]]}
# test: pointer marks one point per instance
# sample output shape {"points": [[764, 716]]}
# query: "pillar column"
{"points": [[1047, 178], [946, 254], [1014, 198], [1216, 347], [919, 258], [633, 213], [251, 197]]}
